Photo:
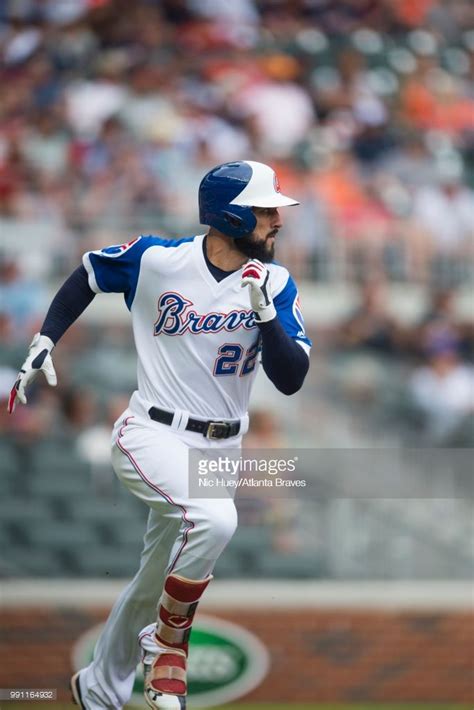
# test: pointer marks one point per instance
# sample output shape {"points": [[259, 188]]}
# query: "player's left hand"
{"points": [[257, 277], [39, 359]]}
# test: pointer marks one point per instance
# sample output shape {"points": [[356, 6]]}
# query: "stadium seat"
{"points": [[104, 561], [8, 458], [20, 562], [22, 510], [101, 510], [292, 566], [59, 535]]}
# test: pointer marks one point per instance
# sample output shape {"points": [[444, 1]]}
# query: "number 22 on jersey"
{"points": [[230, 356]]}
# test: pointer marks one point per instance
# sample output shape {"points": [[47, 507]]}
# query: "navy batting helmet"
{"points": [[228, 192]]}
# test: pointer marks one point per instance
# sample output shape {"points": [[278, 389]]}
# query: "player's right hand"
{"points": [[39, 359], [256, 276]]}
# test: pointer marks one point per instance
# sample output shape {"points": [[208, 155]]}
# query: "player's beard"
{"points": [[263, 250]]}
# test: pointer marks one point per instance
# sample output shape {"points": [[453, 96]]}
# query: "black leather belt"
{"points": [[210, 429]]}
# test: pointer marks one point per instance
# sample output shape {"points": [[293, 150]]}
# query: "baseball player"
{"points": [[203, 308]]}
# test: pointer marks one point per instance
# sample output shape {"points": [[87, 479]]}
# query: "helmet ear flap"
{"points": [[241, 219], [233, 219]]}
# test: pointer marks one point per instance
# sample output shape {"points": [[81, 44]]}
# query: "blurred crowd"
{"points": [[111, 112], [414, 382]]}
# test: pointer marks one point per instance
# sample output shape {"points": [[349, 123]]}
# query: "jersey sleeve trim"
{"points": [[90, 274]]}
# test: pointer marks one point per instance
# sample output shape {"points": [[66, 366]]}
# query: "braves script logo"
{"points": [[175, 317]]}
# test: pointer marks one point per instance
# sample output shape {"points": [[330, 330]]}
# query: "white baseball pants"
{"points": [[184, 535]]}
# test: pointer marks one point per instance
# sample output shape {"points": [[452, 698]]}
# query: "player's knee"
{"points": [[220, 520]]}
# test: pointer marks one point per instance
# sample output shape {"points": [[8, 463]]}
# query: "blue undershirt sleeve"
{"points": [[70, 301], [284, 361]]}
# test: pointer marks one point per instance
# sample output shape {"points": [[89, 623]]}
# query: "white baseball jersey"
{"points": [[196, 338]]}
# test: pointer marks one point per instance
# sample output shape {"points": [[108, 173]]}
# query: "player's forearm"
{"points": [[70, 301], [284, 361]]}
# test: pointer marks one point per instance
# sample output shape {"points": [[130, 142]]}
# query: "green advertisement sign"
{"points": [[225, 662]]}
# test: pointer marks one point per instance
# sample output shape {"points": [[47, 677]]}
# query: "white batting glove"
{"points": [[256, 276], [39, 359]]}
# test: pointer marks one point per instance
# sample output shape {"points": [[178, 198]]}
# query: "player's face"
{"points": [[260, 244]]}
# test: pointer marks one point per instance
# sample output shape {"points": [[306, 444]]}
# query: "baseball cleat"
{"points": [[165, 681], [158, 701], [76, 690]]}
